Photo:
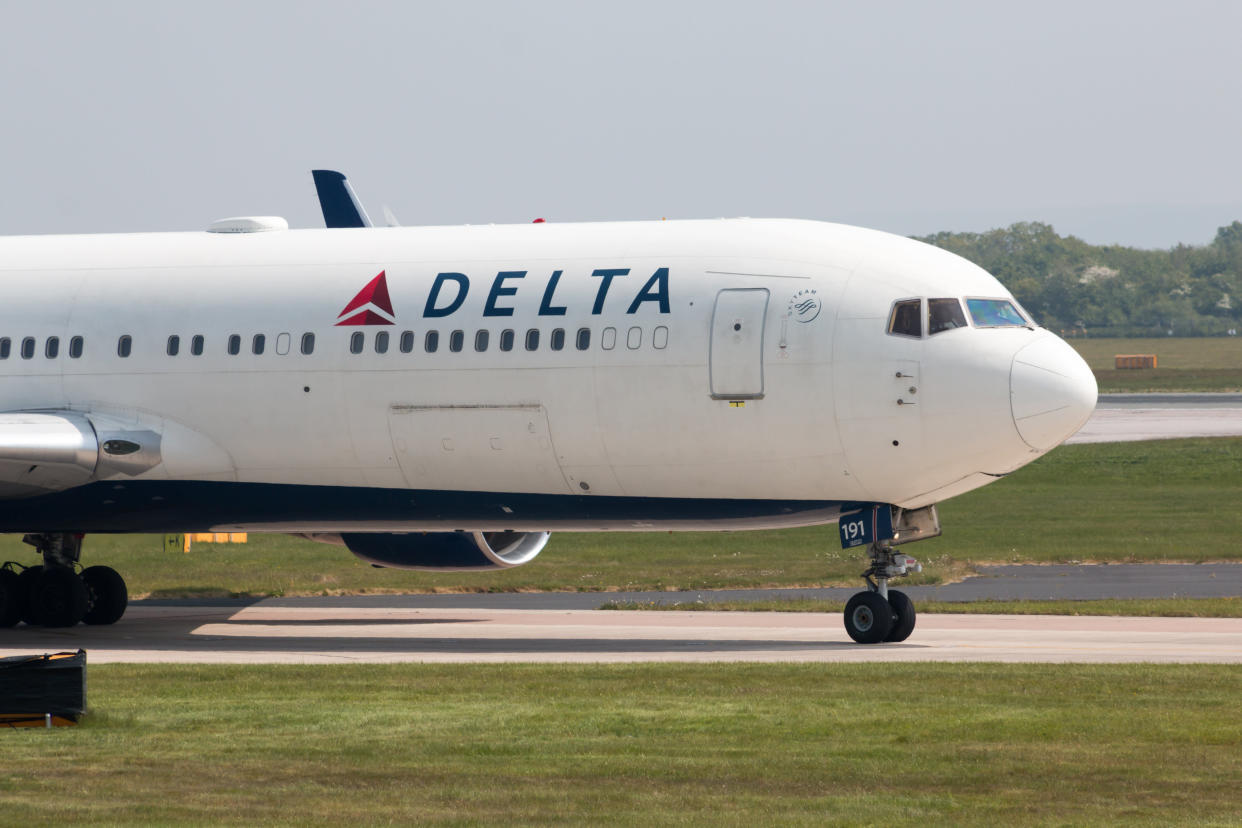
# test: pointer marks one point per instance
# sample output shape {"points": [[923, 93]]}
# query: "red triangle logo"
{"points": [[374, 294]]}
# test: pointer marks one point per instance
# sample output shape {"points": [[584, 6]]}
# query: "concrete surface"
{"points": [[284, 635]]}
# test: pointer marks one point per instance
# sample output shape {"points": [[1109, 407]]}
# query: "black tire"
{"points": [[107, 596], [25, 587], [58, 598], [11, 598], [868, 618], [903, 609]]}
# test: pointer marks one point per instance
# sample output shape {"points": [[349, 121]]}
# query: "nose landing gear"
{"points": [[881, 614], [56, 594]]}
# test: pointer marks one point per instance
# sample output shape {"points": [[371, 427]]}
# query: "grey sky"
{"points": [[1117, 122]]}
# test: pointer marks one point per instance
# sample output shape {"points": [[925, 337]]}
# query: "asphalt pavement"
{"points": [[999, 583]]}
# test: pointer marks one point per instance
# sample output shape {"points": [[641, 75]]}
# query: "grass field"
{"points": [[966, 744], [1174, 500], [1130, 607], [1183, 364]]}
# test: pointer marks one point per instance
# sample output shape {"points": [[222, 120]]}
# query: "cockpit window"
{"points": [[994, 313], [944, 315], [906, 319]]}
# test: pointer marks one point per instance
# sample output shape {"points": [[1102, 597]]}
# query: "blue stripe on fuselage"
{"points": [[189, 506]]}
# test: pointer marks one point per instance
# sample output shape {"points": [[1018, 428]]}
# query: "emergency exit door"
{"points": [[736, 358]]}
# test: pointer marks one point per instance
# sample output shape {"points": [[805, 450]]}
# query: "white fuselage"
{"points": [[734, 360]]}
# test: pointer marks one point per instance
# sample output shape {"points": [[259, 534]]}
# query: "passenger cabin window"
{"points": [[431, 341], [124, 345], [558, 339], [905, 319], [258, 343], [196, 345], [51, 348], [234, 344], [944, 315], [407, 341], [583, 340], [994, 313], [356, 341], [6, 347], [308, 343], [174, 345], [506, 339], [381, 342], [75, 347], [480, 340], [532, 339], [457, 339], [28, 347]]}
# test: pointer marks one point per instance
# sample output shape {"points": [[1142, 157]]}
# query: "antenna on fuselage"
{"points": [[340, 205]]}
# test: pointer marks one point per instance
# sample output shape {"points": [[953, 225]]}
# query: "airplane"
{"points": [[445, 397]]}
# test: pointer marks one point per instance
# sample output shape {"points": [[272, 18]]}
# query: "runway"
{"points": [[1127, 417], [264, 634]]}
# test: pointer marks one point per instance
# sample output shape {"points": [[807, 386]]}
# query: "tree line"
{"points": [[1111, 290]]}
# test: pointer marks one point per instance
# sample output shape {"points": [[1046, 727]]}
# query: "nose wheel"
{"points": [[869, 618], [880, 614]]}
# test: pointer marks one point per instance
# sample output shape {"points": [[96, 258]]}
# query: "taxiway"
{"points": [[324, 635]]}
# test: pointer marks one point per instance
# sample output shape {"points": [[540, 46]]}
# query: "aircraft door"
{"points": [[736, 357]]}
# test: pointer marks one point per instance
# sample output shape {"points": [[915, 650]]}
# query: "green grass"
{"points": [[969, 744], [1184, 364], [1169, 500], [1176, 500], [1144, 607]]}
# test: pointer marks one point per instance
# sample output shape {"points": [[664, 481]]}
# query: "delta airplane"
{"points": [[444, 397]]}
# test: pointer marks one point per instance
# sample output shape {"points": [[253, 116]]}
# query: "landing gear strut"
{"points": [[883, 614], [880, 613], [55, 594]]}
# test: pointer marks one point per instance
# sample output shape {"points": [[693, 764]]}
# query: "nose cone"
{"points": [[1052, 392]]}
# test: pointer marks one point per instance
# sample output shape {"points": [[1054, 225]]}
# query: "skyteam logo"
{"points": [[370, 307], [805, 306]]}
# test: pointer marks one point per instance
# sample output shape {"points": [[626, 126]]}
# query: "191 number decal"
{"points": [[866, 526], [854, 529]]}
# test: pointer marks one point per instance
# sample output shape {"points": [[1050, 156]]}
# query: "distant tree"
{"points": [[1111, 289]]}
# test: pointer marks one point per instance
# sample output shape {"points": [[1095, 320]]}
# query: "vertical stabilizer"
{"points": [[340, 205]]}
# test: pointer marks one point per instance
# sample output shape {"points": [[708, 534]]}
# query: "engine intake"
{"points": [[446, 551]]}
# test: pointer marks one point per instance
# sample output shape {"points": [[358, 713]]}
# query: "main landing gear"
{"points": [[57, 594], [882, 614]]}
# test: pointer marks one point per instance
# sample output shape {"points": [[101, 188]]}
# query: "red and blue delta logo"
{"points": [[371, 305]]}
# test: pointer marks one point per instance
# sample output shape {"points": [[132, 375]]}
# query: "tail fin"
{"points": [[340, 205]]}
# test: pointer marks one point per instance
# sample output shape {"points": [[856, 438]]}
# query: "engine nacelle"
{"points": [[446, 551], [42, 451]]}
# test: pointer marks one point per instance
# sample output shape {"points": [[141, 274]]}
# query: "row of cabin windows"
{"points": [[357, 342], [258, 344], [51, 347], [507, 340], [125, 345]]}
